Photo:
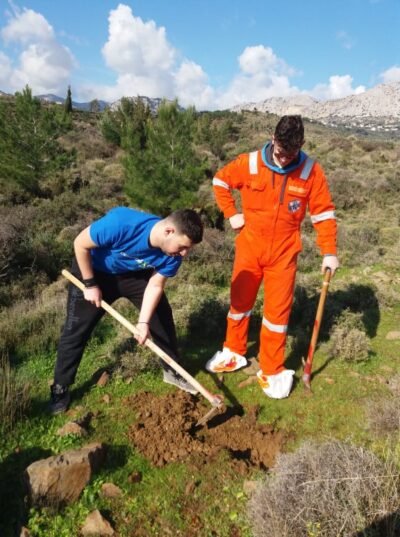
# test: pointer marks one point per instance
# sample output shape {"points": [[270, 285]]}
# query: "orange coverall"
{"points": [[274, 202]]}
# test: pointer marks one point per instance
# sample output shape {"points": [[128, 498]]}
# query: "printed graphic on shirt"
{"points": [[294, 206]]}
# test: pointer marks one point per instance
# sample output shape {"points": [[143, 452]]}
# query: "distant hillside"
{"points": [[50, 98], [377, 109]]}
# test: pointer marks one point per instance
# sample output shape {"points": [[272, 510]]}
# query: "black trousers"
{"points": [[82, 317]]}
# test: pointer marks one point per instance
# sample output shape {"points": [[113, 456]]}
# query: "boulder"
{"points": [[96, 524], [60, 479]]}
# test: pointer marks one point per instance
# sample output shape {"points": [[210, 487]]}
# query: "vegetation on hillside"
{"points": [[58, 172]]}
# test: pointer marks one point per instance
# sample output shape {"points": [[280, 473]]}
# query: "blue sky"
{"points": [[209, 53]]}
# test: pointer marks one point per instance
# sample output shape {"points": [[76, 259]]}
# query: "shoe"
{"points": [[170, 377], [225, 361], [276, 386], [59, 399]]}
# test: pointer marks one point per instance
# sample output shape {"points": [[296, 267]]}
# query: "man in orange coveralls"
{"points": [[276, 185]]}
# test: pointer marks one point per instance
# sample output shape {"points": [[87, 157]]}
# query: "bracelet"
{"points": [[90, 282], [142, 322]]}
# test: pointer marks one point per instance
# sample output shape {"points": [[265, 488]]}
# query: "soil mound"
{"points": [[165, 432]]}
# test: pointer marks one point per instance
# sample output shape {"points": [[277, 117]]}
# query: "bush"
{"points": [[384, 417], [14, 396], [328, 490], [349, 342]]}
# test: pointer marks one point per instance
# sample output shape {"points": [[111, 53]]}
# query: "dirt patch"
{"points": [[165, 432]]}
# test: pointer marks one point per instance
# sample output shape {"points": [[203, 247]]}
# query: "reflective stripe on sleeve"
{"points": [[218, 182], [253, 162], [280, 328], [239, 316], [322, 216]]}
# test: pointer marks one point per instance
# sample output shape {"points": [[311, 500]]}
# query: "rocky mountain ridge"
{"points": [[377, 109]]}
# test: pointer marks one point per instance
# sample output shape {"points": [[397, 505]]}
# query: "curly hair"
{"points": [[289, 132]]}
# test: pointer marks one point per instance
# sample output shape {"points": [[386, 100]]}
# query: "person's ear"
{"points": [[169, 230]]}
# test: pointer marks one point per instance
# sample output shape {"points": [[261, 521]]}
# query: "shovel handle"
{"points": [[317, 322], [213, 399]]}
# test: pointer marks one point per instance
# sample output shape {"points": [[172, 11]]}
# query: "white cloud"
{"points": [[262, 75], [391, 75], [191, 84], [338, 87], [26, 27], [43, 63], [136, 47]]}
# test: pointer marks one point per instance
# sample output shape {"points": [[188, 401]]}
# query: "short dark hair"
{"points": [[189, 223], [289, 132]]}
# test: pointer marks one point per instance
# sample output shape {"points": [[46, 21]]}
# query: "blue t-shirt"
{"points": [[122, 237]]}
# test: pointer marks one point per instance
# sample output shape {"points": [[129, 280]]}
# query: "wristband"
{"points": [[90, 282]]}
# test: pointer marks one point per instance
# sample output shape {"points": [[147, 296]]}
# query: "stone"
{"points": [[391, 336], [103, 380], [135, 477], [109, 490], [96, 524], [60, 479], [72, 428], [24, 532]]}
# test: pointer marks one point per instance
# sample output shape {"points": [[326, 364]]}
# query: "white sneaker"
{"points": [[225, 361], [276, 386]]}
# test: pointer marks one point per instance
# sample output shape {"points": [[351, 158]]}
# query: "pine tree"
{"points": [[68, 102], [166, 173], [28, 142]]}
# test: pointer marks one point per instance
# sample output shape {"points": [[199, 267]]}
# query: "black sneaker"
{"points": [[170, 377], [59, 399]]}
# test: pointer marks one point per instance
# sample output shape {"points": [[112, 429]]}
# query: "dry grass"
{"points": [[14, 396], [349, 341], [329, 490]]}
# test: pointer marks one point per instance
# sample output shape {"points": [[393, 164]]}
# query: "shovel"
{"points": [[317, 323], [215, 400]]}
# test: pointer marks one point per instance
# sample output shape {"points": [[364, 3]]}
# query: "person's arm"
{"points": [[322, 212], [151, 298], [82, 246], [227, 178]]}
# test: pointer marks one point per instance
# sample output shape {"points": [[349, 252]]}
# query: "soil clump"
{"points": [[165, 432]]}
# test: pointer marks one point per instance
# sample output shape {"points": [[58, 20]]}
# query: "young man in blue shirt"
{"points": [[127, 253]]}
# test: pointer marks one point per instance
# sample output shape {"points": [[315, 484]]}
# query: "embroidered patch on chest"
{"points": [[294, 205], [297, 190]]}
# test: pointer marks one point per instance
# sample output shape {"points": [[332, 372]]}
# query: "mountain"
{"points": [[51, 98], [377, 109]]}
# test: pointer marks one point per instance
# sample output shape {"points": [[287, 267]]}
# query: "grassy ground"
{"points": [[175, 500]]}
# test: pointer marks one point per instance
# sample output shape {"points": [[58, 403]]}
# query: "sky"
{"points": [[212, 54]]}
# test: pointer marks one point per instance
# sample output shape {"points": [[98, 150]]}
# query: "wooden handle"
{"points": [[317, 322], [214, 400]]}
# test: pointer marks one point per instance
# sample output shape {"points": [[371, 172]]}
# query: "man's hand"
{"points": [[237, 221], [331, 262], [93, 295], [144, 332]]}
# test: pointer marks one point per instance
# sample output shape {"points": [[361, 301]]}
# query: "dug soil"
{"points": [[165, 431]]}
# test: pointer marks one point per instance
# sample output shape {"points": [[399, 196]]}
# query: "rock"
{"points": [[103, 380], [109, 490], [391, 336], [190, 488], [72, 428], [24, 532], [61, 478], [96, 524], [106, 399], [252, 367]]}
